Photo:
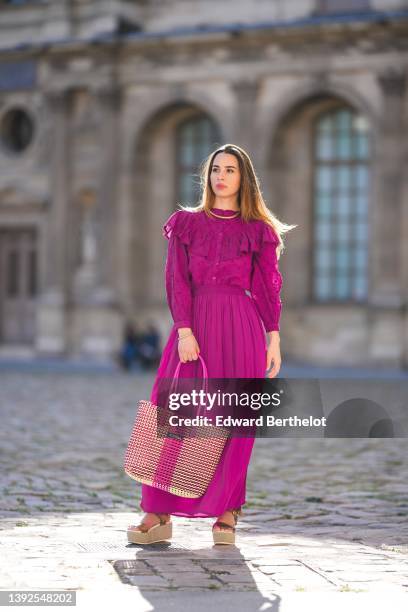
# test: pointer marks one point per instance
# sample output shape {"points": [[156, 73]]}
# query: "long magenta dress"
{"points": [[223, 281]]}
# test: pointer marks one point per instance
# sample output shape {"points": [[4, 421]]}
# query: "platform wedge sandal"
{"points": [[142, 534], [226, 537]]}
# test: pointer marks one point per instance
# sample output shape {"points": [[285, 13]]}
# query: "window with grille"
{"points": [[341, 206], [195, 138]]}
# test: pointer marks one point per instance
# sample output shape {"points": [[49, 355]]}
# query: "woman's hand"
{"points": [[273, 356], [188, 348]]}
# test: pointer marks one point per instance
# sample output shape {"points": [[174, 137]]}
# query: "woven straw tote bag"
{"points": [[163, 459]]}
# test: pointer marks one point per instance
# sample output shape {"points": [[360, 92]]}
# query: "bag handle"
{"points": [[177, 372], [180, 363]]}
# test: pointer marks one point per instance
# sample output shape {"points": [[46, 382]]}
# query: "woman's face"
{"points": [[225, 175]]}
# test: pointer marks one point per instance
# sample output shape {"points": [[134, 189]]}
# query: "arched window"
{"points": [[340, 206], [195, 138]]}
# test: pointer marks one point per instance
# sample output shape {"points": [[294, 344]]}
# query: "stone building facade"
{"points": [[106, 110]]}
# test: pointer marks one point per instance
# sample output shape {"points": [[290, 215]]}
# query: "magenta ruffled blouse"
{"points": [[227, 251]]}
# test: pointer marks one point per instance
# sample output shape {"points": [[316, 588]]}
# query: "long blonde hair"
{"points": [[250, 199]]}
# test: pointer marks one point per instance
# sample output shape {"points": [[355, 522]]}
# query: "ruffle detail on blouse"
{"points": [[256, 235], [179, 223], [247, 238], [182, 224]]}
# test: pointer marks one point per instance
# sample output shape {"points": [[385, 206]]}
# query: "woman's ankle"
{"points": [[226, 516], [161, 515]]}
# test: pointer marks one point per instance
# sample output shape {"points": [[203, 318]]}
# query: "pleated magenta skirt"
{"points": [[232, 342]]}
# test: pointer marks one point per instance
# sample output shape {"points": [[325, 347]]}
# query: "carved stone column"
{"points": [[51, 311], [401, 231], [246, 92], [97, 320], [387, 291], [108, 101], [386, 279]]}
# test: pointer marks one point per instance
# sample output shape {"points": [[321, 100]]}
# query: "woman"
{"points": [[217, 252]]}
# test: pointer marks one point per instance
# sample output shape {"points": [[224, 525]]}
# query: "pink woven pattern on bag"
{"points": [[184, 466]]}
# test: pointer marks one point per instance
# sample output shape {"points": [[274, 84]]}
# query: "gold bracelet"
{"points": [[182, 337]]}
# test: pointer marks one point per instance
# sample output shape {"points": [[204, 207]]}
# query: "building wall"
{"points": [[98, 178]]}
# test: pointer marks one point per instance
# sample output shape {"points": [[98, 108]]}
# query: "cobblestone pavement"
{"points": [[323, 516]]}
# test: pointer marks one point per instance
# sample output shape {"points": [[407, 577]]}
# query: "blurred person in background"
{"points": [[149, 347], [129, 354]]}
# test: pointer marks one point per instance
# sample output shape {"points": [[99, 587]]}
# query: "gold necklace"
{"points": [[222, 216]]}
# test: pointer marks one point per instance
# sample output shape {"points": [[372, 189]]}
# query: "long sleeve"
{"points": [[266, 281], [177, 275]]}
